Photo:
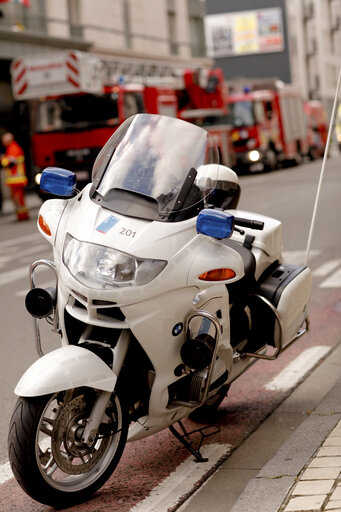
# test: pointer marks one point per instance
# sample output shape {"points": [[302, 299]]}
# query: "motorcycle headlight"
{"points": [[98, 266]]}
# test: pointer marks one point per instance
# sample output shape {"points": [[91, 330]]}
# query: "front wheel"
{"points": [[46, 453]]}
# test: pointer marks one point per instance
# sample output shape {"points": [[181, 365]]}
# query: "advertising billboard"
{"points": [[244, 32]]}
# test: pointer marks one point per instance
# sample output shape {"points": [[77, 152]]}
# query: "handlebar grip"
{"points": [[248, 223]]}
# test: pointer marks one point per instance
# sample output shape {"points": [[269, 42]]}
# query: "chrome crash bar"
{"points": [[52, 320], [279, 348]]}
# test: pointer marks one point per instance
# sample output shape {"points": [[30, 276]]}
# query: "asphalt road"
{"points": [[287, 195]]}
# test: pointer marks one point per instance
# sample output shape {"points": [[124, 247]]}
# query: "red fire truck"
{"points": [[268, 128], [73, 108], [317, 126], [203, 101]]}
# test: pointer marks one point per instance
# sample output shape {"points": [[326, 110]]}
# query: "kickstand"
{"points": [[185, 438]]}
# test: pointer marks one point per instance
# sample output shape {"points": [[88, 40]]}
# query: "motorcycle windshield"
{"points": [[149, 169]]}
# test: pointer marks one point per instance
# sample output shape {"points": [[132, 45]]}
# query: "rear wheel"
{"points": [[49, 459]]}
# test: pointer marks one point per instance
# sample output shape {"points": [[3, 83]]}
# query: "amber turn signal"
{"points": [[218, 274], [44, 226]]}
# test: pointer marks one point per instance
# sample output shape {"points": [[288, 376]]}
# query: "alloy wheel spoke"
{"points": [[50, 467], [47, 426]]}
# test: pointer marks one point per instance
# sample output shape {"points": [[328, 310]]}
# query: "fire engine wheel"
{"points": [[270, 160], [313, 154], [46, 452]]}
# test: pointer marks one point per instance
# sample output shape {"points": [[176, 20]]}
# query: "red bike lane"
{"points": [[146, 463]]}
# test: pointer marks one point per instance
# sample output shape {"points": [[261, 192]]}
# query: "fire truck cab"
{"points": [[68, 131], [268, 128]]}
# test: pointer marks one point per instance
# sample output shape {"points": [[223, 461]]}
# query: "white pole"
{"points": [[312, 225]]}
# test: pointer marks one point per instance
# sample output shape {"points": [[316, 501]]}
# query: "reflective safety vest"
{"points": [[13, 162]]}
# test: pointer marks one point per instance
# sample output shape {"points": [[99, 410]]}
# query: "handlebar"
{"points": [[249, 223]]}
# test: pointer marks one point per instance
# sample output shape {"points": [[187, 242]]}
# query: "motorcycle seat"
{"points": [[246, 254]]}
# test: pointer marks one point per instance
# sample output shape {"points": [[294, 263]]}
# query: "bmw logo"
{"points": [[177, 329]]}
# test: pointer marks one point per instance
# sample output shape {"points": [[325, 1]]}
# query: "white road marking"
{"points": [[13, 275], [32, 250], [326, 268], [18, 273], [20, 240], [4, 260], [333, 281], [5, 472], [297, 369], [182, 480]]}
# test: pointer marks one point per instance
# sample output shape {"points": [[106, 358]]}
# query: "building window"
{"points": [[196, 13], [76, 30], [18, 17], [173, 45], [126, 22]]}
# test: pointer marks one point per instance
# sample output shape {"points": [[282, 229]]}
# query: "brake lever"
{"points": [[241, 231]]}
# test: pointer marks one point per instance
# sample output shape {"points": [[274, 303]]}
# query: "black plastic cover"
{"points": [[274, 284]]}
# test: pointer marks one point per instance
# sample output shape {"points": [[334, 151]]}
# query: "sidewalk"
{"points": [[296, 470], [319, 484]]}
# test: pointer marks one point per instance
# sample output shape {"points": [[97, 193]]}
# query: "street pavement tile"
{"points": [[332, 505], [332, 441], [320, 473], [313, 487], [311, 503], [337, 493], [325, 462], [329, 451], [336, 431]]}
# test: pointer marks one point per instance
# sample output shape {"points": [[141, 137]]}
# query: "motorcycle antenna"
{"points": [[330, 131]]}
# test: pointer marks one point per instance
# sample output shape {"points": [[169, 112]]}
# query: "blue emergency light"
{"points": [[59, 182], [215, 223]]}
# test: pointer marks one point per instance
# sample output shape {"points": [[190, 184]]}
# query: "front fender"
{"points": [[65, 368]]}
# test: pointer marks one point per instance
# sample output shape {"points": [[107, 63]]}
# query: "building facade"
{"points": [[315, 46], [306, 42], [164, 33]]}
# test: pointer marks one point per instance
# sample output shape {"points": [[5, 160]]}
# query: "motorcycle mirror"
{"points": [[215, 223], [59, 182]]}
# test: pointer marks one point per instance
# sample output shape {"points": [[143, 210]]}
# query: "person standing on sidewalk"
{"points": [[13, 162]]}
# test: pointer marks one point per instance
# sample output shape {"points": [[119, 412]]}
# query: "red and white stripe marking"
{"points": [[41, 74], [72, 71], [20, 81]]}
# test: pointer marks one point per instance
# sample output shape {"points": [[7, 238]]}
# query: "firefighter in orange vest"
{"points": [[13, 162]]}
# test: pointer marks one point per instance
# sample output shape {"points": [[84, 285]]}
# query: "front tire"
{"points": [[46, 453]]}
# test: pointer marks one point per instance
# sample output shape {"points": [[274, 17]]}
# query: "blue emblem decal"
{"points": [[107, 224], [177, 329]]}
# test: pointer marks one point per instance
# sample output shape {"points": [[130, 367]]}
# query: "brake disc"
{"points": [[70, 454]]}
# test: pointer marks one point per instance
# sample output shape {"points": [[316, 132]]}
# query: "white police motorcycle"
{"points": [[165, 293]]}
